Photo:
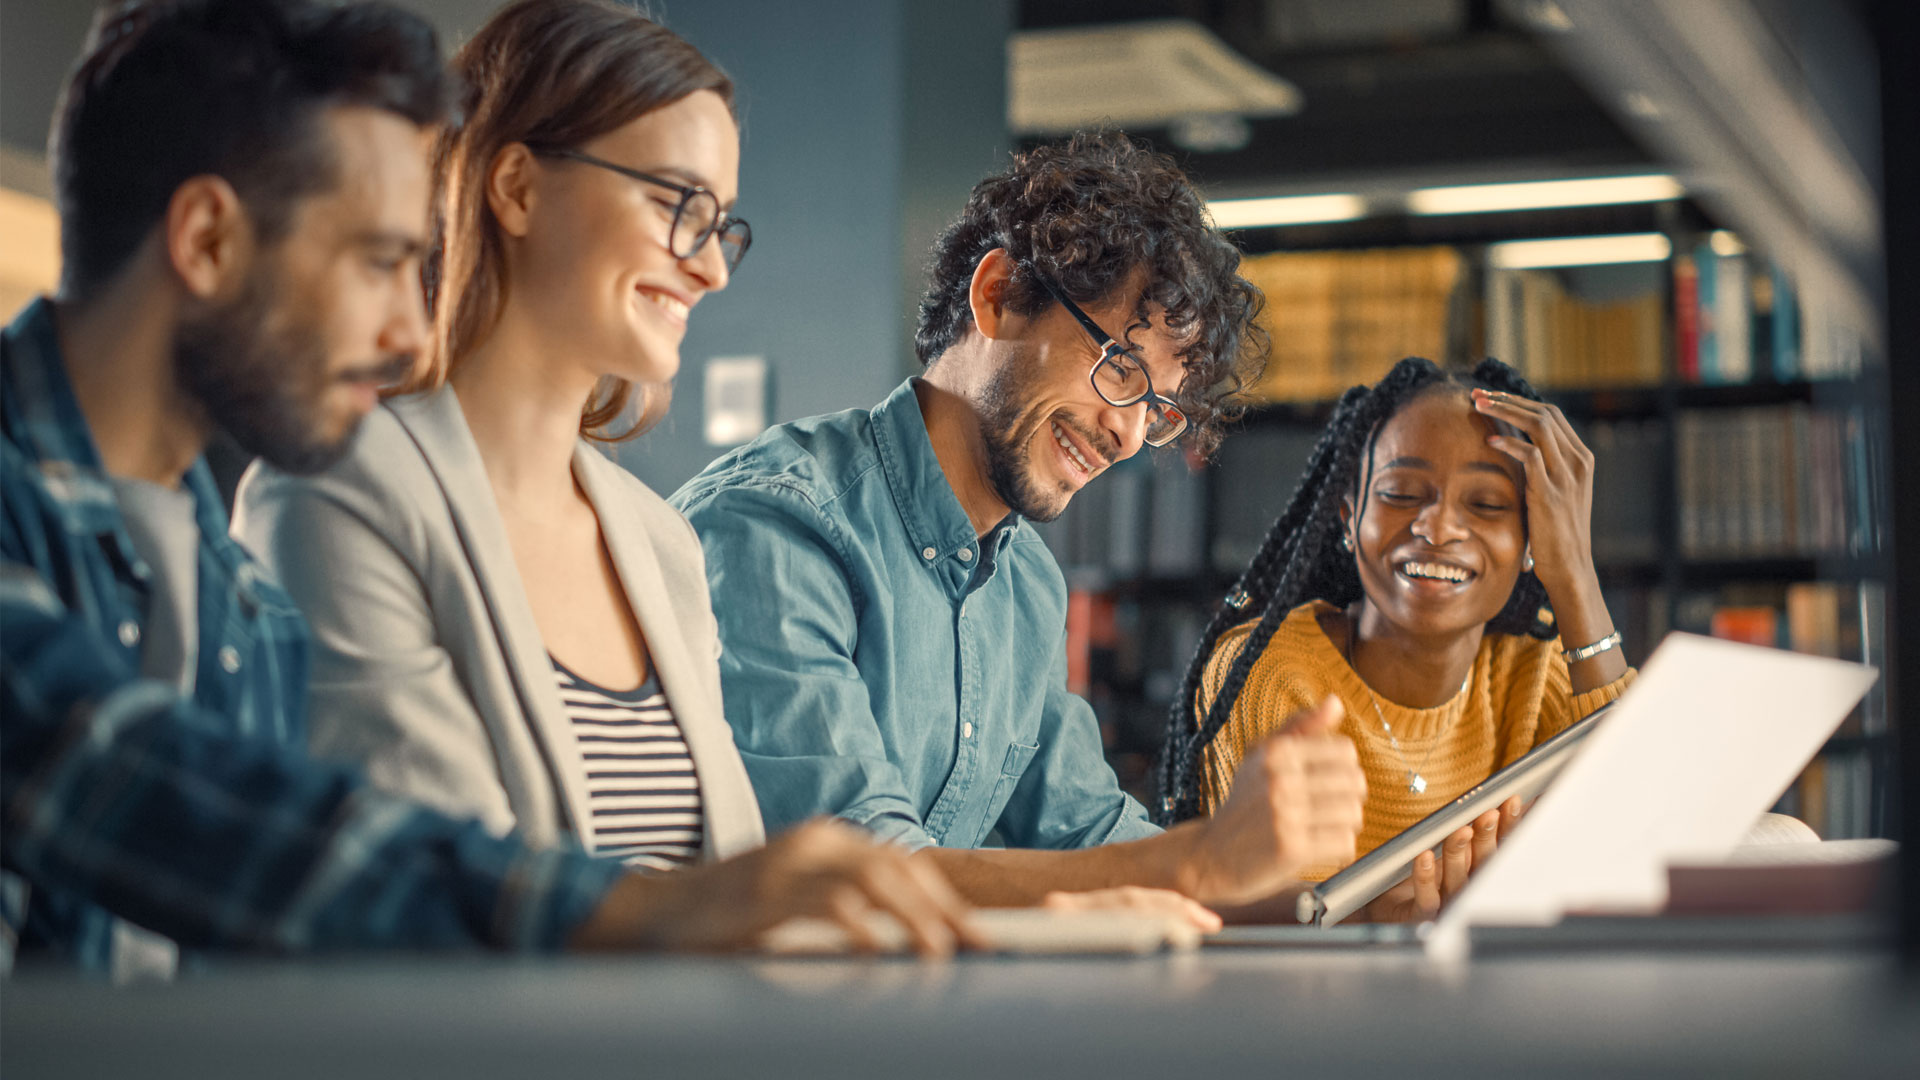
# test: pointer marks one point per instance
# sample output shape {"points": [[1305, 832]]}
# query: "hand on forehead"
{"points": [[1439, 429]]}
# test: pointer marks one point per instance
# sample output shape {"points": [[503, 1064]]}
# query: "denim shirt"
{"points": [[201, 818], [883, 664]]}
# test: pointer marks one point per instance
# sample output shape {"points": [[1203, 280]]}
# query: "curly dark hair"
{"points": [[1089, 212], [1301, 560]]}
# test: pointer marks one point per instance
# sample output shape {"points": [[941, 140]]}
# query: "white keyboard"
{"points": [[1025, 931]]}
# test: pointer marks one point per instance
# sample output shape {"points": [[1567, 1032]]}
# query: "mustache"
{"points": [[1100, 444], [382, 373]]}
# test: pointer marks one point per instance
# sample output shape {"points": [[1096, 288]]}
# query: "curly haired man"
{"points": [[894, 628]]}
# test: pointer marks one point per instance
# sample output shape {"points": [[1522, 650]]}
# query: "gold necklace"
{"points": [[1416, 780]]}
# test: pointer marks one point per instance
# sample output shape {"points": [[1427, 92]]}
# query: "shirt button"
{"points": [[129, 633], [229, 659], [966, 554], [966, 730], [928, 553]]}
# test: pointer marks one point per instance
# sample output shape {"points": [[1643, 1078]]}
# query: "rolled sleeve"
{"points": [[121, 792]]}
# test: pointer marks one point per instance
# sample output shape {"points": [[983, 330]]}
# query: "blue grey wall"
{"points": [[865, 124]]}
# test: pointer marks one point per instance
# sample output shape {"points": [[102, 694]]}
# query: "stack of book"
{"points": [[1559, 339], [1738, 319], [1341, 318], [1627, 455]]}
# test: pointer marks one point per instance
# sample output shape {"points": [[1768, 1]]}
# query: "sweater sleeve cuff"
{"points": [[1584, 704]]}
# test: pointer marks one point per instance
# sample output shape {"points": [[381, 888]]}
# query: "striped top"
{"points": [[642, 790]]}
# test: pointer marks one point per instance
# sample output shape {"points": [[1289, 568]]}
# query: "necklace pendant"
{"points": [[1416, 783]]}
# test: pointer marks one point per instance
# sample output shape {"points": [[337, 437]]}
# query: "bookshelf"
{"points": [[1770, 118], [1737, 496]]}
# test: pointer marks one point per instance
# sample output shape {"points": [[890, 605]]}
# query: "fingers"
{"points": [[1203, 918], [1544, 423], [893, 884], [1456, 862], [1426, 886], [1298, 800], [1322, 719], [853, 878], [1486, 836], [1532, 462], [1163, 903], [1510, 813], [849, 910], [1337, 844], [953, 909]]}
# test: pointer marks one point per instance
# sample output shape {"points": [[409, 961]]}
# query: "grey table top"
{"points": [[1223, 1011]]}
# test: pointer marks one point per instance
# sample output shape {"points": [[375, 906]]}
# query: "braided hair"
{"points": [[1301, 560]]}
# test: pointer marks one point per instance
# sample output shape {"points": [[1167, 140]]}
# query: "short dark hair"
{"points": [[1301, 560], [167, 90], [1089, 212]]}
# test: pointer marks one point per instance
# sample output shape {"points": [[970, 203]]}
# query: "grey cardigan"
{"points": [[429, 670]]}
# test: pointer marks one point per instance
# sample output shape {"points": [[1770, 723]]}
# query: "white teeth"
{"points": [[1440, 571], [1068, 447], [673, 307]]}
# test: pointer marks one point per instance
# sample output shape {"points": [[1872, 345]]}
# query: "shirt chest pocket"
{"points": [[1012, 768]]}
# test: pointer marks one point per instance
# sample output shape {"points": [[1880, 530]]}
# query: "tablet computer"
{"points": [[1392, 862]]}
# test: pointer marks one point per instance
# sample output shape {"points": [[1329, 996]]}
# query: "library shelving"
{"points": [[1738, 460]]}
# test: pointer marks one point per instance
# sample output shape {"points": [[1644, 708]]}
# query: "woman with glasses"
{"points": [[509, 625]]}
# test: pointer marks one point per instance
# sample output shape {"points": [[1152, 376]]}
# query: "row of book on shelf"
{"points": [[1777, 480], [1836, 793], [1768, 481], [1841, 792], [1738, 319], [1341, 318], [1146, 517]]}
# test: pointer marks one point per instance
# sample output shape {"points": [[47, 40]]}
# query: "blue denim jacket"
{"points": [[880, 662], [199, 818]]}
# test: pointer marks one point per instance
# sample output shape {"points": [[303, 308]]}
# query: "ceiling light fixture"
{"points": [[1544, 194], [1285, 210], [1579, 251]]}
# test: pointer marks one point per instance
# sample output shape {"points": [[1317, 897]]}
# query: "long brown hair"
{"points": [[550, 74]]}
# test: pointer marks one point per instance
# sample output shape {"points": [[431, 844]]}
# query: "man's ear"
{"points": [[510, 189], [987, 293], [208, 236]]}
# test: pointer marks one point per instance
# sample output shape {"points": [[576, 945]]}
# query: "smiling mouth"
{"points": [[1433, 571], [1066, 444], [675, 308]]}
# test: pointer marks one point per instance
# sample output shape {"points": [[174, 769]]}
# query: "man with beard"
{"points": [[243, 190], [894, 630]]}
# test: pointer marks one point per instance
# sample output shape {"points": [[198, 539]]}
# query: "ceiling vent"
{"points": [[1139, 76]]}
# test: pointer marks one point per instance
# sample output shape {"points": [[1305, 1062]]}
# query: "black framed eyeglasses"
{"points": [[1119, 376], [697, 218]]}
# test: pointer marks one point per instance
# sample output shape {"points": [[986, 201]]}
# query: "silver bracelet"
{"points": [[1588, 652]]}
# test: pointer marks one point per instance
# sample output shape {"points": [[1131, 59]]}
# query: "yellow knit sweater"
{"points": [[1519, 695]]}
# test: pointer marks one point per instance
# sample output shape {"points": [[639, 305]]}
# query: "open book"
{"points": [[1392, 862]]}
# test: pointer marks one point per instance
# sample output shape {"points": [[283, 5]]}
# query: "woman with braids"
{"points": [[1434, 572]]}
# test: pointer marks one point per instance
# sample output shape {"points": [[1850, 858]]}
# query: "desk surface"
{"points": [[1223, 1011]]}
